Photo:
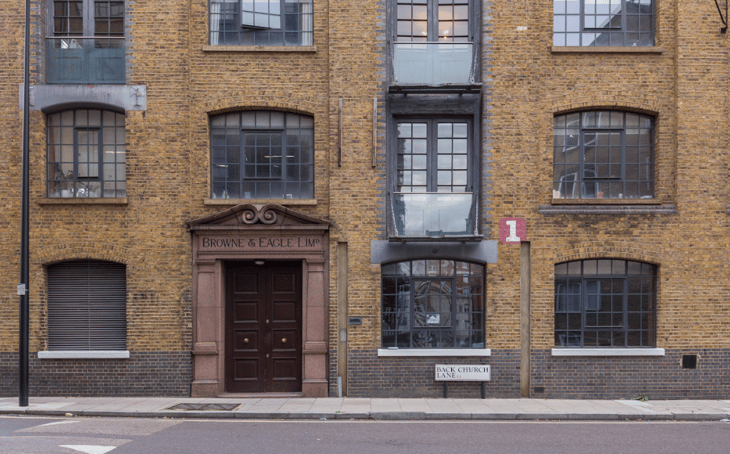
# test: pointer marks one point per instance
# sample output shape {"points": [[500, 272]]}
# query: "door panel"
{"points": [[263, 327]]}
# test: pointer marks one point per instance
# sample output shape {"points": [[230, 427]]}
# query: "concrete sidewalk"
{"points": [[372, 408]]}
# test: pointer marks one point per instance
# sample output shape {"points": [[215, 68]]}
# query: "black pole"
{"points": [[24, 269]]}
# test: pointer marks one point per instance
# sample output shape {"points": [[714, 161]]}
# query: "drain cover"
{"points": [[204, 407]]}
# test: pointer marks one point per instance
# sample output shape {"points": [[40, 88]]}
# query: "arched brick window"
{"points": [[262, 155], [603, 155]]}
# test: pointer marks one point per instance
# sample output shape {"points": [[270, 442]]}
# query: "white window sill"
{"points": [[80, 354], [608, 352], [435, 352]]}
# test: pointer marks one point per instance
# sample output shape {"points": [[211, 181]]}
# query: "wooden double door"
{"points": [[264, 327]]}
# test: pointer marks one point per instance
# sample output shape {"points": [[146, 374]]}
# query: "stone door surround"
{"points": [[248, 233]]}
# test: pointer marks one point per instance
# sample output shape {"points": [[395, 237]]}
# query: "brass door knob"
{"points": [[283, 340], [245, 340]]}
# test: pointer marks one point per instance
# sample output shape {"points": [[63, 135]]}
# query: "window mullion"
{"points": [[625, 306], [582, 302], [454, 322], [581, 159], [75, 176], [241, 160], [89, 13], [100, 153], [433, 21], [431, 155], [623, 157]]}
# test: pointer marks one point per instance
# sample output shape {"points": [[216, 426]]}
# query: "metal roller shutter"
{"points": [[87, 302]]}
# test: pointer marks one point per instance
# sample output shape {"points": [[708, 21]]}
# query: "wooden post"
{"points": [[342, 272], [525, 319]]}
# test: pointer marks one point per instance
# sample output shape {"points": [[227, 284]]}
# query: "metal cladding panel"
{"points": [[87, 302]]}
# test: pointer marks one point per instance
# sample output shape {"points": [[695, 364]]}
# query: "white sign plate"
{"points": [[463, 372]]}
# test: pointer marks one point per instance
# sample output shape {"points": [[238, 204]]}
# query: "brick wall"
{"points": [[143, 374], [657, 377], [373, 376]]}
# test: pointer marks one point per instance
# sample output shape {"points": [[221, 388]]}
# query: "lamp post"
{"points": [[24, 269]]}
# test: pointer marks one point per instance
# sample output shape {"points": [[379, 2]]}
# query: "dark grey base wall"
{"points": [[373, 376], [143, 374], [626, 377]]}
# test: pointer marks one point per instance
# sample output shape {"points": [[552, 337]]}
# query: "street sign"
{"points": [[463, 372]]}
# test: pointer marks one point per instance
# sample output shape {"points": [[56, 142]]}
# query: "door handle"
{"points": [[283, 340], [245, 340]]}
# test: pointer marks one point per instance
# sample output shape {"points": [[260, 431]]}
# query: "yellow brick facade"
{"points": [[681, 82]]}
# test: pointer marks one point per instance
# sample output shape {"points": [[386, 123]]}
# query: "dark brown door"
{"points": [[263, 327]]}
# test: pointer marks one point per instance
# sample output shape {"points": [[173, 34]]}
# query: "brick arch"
{"points": [[637, 104], [84, 250], [227, 105], [608, 249]]}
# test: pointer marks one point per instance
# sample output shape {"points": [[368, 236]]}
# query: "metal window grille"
{"points": [[603, 23], [433, 304], [262, 154], [603, 154], [605, 303], [87, 302]]}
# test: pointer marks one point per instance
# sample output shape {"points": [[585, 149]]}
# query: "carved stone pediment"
{"points": [[251, 216]]}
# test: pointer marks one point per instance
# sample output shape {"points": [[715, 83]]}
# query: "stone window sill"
{"points": [[85, 201], [608, 352], [232, 202], [606, 50], [293, 49], [606, 207], [433, 352], [82, 354]]}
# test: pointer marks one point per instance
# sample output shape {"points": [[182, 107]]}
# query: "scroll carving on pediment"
{"points": [[251, 215]]}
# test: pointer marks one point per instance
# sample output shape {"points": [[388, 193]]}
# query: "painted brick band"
{"points": [[373, 376], [660, 377], [143, 374]]}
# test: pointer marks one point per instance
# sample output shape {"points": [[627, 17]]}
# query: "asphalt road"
{"points": [[21, 434]]}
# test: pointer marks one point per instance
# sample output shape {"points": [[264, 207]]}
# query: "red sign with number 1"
{"points": [[512, 230]]}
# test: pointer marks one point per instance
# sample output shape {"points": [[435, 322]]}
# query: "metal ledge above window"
{"points": [[435, 89], [422, 239], [82, 354], [607, 352]]}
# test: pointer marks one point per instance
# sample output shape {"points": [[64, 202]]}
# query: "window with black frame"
{"points": [[433, 304], [432, 20], [605, 303], [261, 22], [603, 155], [603, 23], [86, 154], [262, 155], [433, 188]]}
